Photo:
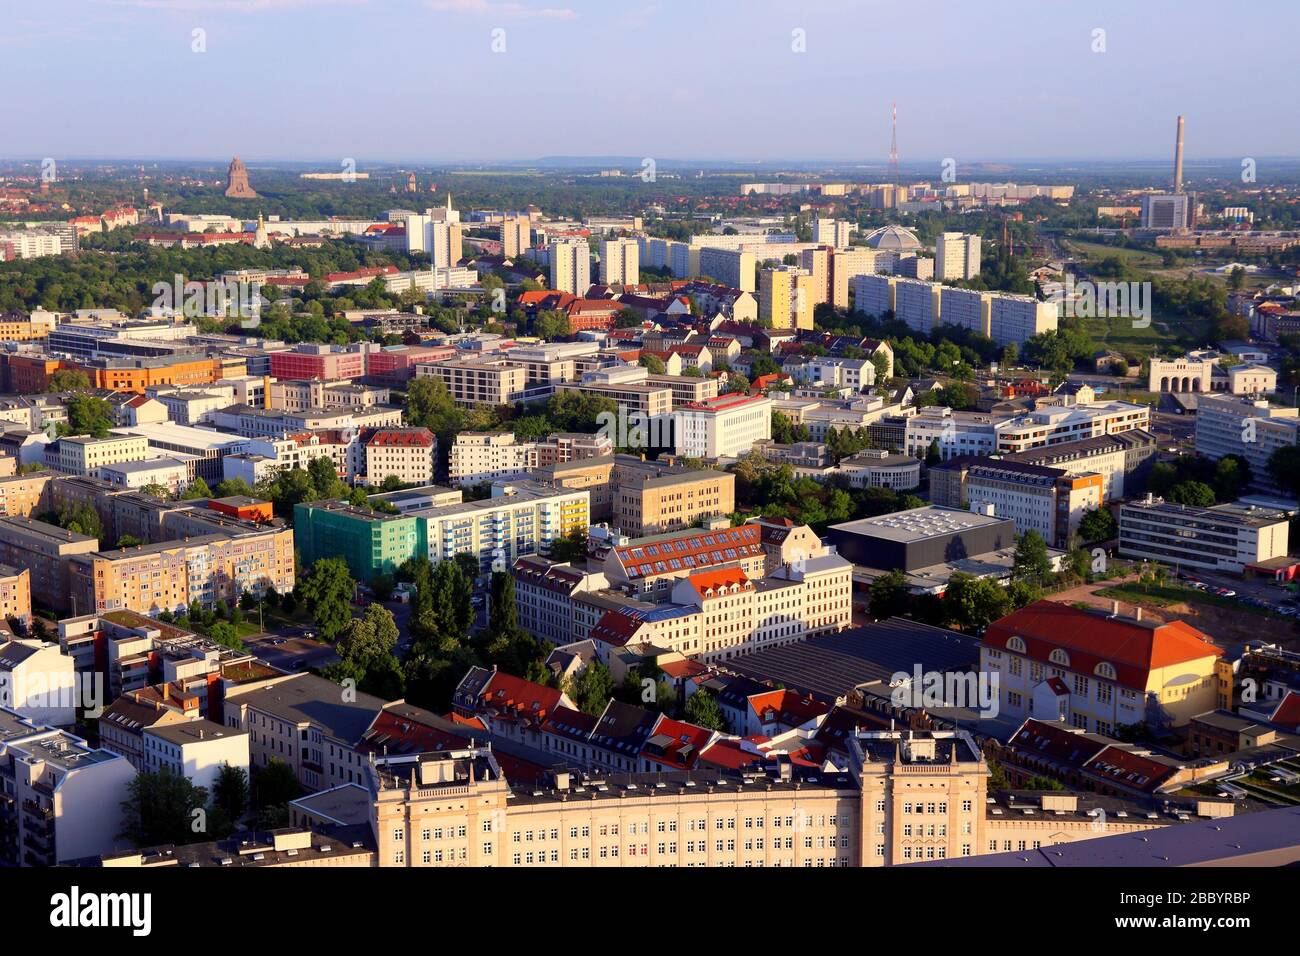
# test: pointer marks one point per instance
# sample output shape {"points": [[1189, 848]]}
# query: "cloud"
{"points": [[502, 11]]}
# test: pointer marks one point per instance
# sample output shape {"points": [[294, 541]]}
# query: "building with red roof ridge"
{"points": [[1116, 670]]}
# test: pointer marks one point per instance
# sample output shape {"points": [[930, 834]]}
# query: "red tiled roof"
{"points": [[708, 583], [1133, 648], [729, 753], [404, 437], [599, 306], [506, 694], [1127, 769], [1288, 712], [688, 550], [615, 628], [675, 743]]}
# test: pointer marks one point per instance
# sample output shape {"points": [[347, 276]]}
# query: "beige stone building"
{"points": [[651, 498], [594, 475], [478, 381], [901, 798]]}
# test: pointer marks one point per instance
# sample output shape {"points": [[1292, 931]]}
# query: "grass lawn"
{"points": [[1158, 595], [1094, 251], [243, 629]]}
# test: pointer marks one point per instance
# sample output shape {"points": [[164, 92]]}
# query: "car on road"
{"points": [[278, 641], [1225, 592]]}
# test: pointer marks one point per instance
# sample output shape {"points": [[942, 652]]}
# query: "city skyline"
{"points": [[336, 99]]}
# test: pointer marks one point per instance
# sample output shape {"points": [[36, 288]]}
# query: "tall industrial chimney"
{"points": [[1178, 159]]}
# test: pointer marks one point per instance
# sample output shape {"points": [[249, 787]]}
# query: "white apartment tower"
{"points": [[956, 256], [570, 266], [620, 262], [832, 232], [441, 239], [516, 236]]}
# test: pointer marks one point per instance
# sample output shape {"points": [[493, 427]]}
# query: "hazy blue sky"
{"points": [[701, 79]]}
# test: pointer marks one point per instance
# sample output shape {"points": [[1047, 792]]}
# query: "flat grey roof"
{"points": [[1220, 840], [918, 524]]}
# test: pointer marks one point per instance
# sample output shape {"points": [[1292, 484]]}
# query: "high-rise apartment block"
{"points": [[956, 256], [785, 298], [570, 266], [620, 262]]}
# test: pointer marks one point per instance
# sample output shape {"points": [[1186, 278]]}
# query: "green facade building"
{"points": [[371, 542]]}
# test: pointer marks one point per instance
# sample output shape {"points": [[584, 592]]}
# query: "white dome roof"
{"points": [[894, 238]]}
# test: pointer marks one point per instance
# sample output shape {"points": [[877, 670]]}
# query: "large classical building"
{"points": [[1099, 671], [903, 797]]}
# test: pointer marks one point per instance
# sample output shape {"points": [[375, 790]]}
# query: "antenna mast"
{"points": [[893, 142]]}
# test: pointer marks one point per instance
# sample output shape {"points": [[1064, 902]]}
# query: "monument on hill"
{"points": [[237, 186]]}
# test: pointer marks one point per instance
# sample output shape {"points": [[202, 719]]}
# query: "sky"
{"points": [[434, 81]]}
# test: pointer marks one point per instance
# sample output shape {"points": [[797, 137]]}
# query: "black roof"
{"points": [[834, 664]]}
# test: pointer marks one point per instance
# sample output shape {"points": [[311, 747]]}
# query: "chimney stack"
{"points": [[1178, 159]]}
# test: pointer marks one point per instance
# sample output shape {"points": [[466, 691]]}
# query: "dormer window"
{"points": [[1059, 656], [1016, 645], [1105, 670]]}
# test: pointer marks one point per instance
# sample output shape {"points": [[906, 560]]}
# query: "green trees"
{"points": [[69, 380], [1098, 525], [786, 432], [88, 415], [225, 634], [273, 787], [164, 807], [81, 518], [198, 488], [1194, 494], [652, 363], [551, 325], [230, 792], [232, 487], [972, 602], [593, 688], [1031, 561], [325, 478], [328, 590], [933, 454], [890, 595], [366, 651], [503, 642], [1284, 468], [702, 709]]}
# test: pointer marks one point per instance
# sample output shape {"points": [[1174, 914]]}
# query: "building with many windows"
{"points": [[486, 456], [523, 517], [728, 425], [62, 797], [1251, 429], [1227, 537], [372, 542], [651, 498], [1099, 671]]}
